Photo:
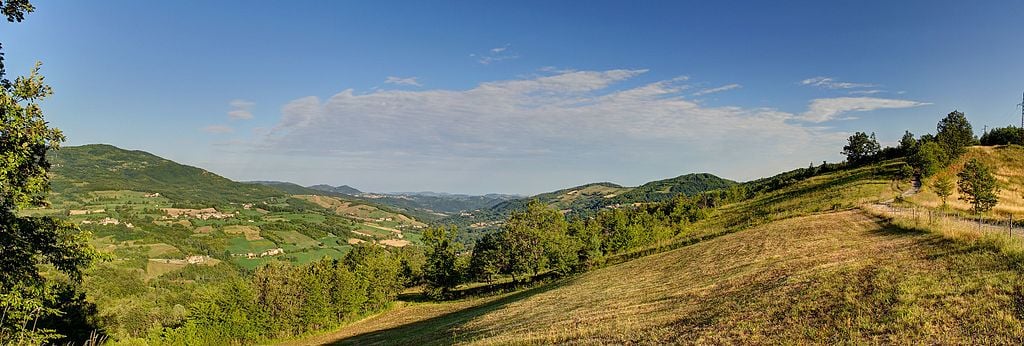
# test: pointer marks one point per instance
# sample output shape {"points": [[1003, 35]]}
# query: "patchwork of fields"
{"points": [[245, 234]]}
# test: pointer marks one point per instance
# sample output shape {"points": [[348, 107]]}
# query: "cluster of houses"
{"points": [[194, 259], [74, 212], [486, 224], [253, 255], [108, 221], [204, 214]]}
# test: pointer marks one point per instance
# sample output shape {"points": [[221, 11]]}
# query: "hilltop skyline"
{"points": [[496, 98]]}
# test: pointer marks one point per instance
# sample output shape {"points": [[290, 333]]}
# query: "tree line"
{"points": [[280, 300], [539, 240], [929, 154]]}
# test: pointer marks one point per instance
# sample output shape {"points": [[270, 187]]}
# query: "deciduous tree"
{"points": [[861, 147], [954, 135], [978, 186], [26, 243], [943, 188], [441, 271]]}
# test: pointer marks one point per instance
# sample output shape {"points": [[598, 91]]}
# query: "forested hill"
{"points": [[590, 198], [100, 167], [343, 189]]}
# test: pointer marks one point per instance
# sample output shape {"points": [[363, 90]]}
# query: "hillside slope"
{"points": [[584, 200], [823, 278], [1008, 164], [343, 189], [78, 170]]}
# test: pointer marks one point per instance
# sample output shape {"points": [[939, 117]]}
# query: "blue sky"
{"points": [[514, 97]]}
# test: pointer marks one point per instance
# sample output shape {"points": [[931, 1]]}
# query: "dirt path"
{"points": [[923, 215]]}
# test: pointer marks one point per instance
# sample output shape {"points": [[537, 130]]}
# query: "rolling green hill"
{"points": [[438, 205], [804, 261], [585, 200], [343, 189], [78, 170], [172, 231]]}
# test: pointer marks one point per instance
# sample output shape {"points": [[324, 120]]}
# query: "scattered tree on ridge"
{"points": [[908, 144], [978, 186], [861, 148], [1003, 136], [954, 135]]}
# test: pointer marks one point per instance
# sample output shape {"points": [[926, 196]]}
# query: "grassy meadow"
{"points": [[801, 264]]}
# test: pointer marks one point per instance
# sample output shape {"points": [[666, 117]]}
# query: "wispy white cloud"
{"points": [[494, 55], [408, 81], [240, 110], [726, 87], [832, 83], [559, 127], [866, 92], [557, 114], [218, 129], [826, 109]]}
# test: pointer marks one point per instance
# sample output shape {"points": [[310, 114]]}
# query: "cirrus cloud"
{"points": [[240, 110], [408, 81], [832, 83], [821, 110]]}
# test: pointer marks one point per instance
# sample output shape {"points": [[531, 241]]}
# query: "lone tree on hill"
{"points": [[861, 148], [978, 186], [908, 144], [29, 243], [954, 135], [944, 188]]}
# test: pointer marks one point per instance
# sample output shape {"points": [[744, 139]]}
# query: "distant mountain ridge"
{"points": [[590, 198], [422, 205], [343, 189]]}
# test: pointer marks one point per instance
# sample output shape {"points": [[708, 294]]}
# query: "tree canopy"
{"points": [[978, 186], [954, 135], [861, 147], [26, 243]]}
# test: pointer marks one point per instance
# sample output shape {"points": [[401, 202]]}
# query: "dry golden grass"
{"points": [[250, 232], [827, 278], [780, 268], [359, 211], [1008, 162], [155, 268]]}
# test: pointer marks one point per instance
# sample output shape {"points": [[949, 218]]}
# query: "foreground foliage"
{"points": [[27, 244]]}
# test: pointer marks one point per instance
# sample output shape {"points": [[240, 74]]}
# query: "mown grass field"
{"points": [[826, 278], [798, 265]]}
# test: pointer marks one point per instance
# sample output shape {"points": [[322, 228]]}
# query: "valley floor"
{"points": [[825, 278]]}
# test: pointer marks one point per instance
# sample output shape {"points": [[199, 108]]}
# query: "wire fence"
{"points": [[925, 216]]}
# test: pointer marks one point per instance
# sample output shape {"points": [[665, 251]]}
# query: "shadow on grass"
{"points": [[441, 329]]}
